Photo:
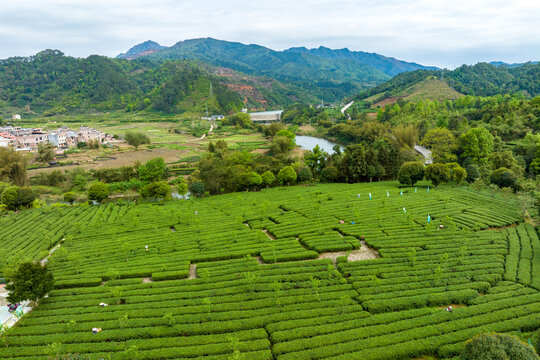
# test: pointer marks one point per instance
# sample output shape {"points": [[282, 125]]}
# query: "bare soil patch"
{"points": [[147, 280], [364, 253], [192, 271], [385, 102]]}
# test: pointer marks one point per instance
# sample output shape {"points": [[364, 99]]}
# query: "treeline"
{"points": [[59, 84]]}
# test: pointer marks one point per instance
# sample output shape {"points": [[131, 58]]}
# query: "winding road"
{"points": [[425, 153]]}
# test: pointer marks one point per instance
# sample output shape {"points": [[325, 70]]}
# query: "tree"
{"points": [[153, 170], [503, 177], [98, 191], [13, 166], [411, 172], [196, 189], [329, 173], [287, 175], [437, 173], [268, 178], [136, 139], [31, 281], [45, 153], [288, 134], [473, 173], [304, 174], [458, 174], [442, 143], [251, 179], [70, 197], [15, 197], [497, 347], [280, 145], [316, 160], [81, 145], [239, 119], [477, 143], [158, 189]]}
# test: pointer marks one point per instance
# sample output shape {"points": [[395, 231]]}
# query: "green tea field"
{"points": [[333, 271]]}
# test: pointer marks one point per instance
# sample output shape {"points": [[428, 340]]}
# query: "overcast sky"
{"points": [[431, 32]]}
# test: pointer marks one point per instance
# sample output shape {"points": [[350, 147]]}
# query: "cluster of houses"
{"points": [[61, 138]]}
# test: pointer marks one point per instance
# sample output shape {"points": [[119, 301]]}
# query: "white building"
{"points": [[266, 117]]}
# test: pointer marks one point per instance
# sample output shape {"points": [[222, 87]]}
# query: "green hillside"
{"points": [[285, 273], [481, 80]]}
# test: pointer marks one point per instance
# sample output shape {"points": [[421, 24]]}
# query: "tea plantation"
{"points": [[241, 276]]}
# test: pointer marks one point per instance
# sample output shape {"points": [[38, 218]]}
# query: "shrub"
{"points": [[268, 178], [81, 145], [287, 175], [136, 139], [304, 174], [31, 281], [15, 197], [458, 174], [473, 173], [98, 191], [153, 170], [437, 173], [196, 189], [157, 190], [411, 172], [497, 346], [502, 177], [70, 197], [329, 173]]}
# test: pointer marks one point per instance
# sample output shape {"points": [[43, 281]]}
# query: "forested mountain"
{"points": [[387, 65], [481, 79], [52, 83], [327, 74]]}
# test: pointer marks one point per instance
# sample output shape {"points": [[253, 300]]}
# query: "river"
{"points": [[309, 142]]}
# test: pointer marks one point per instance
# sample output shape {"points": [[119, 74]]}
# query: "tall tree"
{"points": [[442, 143], [477, 144], [136, 139], [31, 281]]}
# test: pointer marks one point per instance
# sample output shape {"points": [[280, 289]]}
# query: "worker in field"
{"points": [[146, 248]]}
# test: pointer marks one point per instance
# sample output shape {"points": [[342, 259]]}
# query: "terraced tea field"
{"points": [[317, 272]]}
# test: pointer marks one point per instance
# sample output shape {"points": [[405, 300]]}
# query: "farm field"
{"points": [[305, 272]]}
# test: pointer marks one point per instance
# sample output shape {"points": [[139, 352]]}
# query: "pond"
{"points": [[309, 142]]}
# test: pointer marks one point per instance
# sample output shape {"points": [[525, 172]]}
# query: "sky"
{"points": [[430, 32]]}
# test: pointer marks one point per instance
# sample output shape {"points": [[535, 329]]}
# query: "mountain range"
{"points": [[328, 74]]}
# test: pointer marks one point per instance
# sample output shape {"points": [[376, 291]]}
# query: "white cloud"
{"points": [[435, 32]]}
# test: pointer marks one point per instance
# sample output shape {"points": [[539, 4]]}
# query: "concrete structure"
{"points": [[7, 140], [89, 134], [266, 117], [58, 139]]}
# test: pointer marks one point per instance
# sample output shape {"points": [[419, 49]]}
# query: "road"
{"points": [[345, 109], [425, 153]]}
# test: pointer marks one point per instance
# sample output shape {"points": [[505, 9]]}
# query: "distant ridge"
{"points": [[389, 65], [146, 48]]}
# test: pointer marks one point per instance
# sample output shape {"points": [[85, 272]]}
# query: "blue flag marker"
{"points": [[428, 189], [369, 196], [401, 192], [404, 211], [414, 189], [358, 195], [387, 193], [428, 219]]}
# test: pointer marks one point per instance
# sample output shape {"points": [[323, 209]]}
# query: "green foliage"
{"points": [[503, 177], [70, 197], [442, 143], [98, 191], [458, 174], [240, 119], [15, 197], [82, 145], [287, 175], [288, 134], [473, 173], [45, 153], [31, 281], [13, 166], [280, 145], [477, 144], [153, 170], [437, 173], [159, 189], [268, 178], [136, 139], [411, 172], [304, 174], [197, 189], [497, 347]]}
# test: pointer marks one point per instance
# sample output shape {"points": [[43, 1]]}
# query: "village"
{"points": [[28, 139]]}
